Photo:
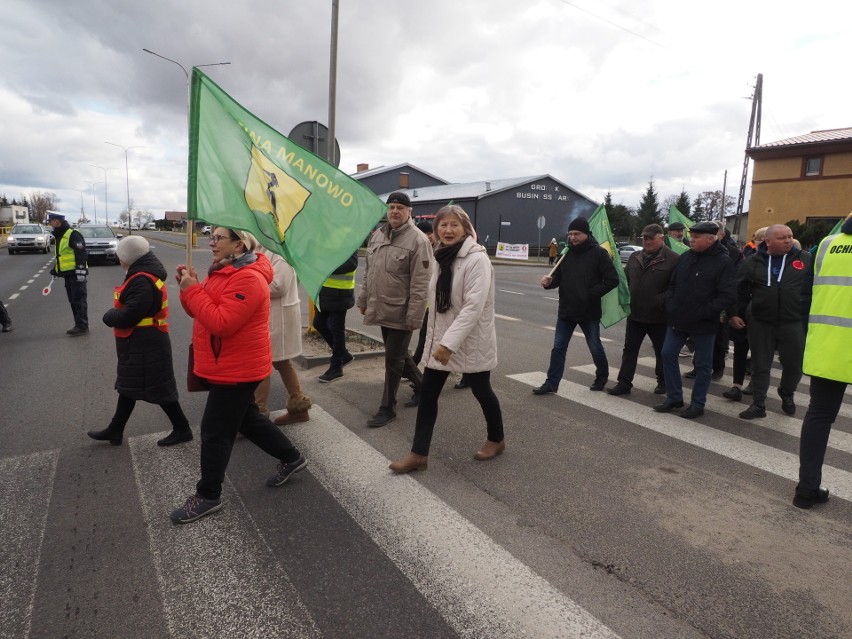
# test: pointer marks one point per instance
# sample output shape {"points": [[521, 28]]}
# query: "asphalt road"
{"points": [[602, 518]]}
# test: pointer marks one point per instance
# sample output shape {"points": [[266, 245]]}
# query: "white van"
{"points": [[151, 226]]}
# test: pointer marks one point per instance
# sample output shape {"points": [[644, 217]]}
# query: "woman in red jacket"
{"points": [[230, 340]]}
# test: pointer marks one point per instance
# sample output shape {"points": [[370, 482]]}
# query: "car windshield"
{"points": [[96, 231], [29, 228]]}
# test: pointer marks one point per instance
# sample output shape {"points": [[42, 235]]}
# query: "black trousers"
{"points": [[634, 334], [77, 297], [4, 315], [826, 399], [332, 326], [398, 364], [124, 408], [421, 339], [427, 410], [789, 340], [720, 347], [231, 409]]}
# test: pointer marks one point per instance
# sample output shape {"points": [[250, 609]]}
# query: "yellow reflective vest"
{"points": [[343, 281], [65, 260], [827, 349]]}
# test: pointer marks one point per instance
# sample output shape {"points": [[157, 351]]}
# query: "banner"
{"points": [[513, 251], [679, 246], [615, 304]]}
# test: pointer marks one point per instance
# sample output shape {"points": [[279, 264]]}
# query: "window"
{"points": [[813, 166]]}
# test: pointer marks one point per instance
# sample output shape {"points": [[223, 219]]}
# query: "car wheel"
{"points": [[11, 252]]}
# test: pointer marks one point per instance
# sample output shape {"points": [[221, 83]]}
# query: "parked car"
{"points": [[29, 238], [624, 252], [101, 241], [207, 230]]}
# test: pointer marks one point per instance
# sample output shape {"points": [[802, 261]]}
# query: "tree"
{"points": [[649, 209], [683, 204], [40, 203], [810, 234], [621, 219], [711, 205]]}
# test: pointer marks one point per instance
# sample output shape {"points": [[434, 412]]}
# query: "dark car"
{"points": [[29, 238], [101, 242]]}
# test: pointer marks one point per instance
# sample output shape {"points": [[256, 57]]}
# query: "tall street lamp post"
{"points": [[94, 203], [106, 194], [127, 177]]}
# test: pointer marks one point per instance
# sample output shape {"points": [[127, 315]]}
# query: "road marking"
{"points": [[23, 288], [30, 281], [510, 292], [218, 576], [22, 533], [477, 586], [555, 299], [580, 334], [766, 458], [14, 296], [507, 318]]}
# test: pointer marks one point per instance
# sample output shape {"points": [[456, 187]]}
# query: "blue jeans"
{"points": [[702, 360], [564, 330]]}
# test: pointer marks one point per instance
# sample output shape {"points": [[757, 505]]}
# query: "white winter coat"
{"points": [[285, 314], [467, 328]]}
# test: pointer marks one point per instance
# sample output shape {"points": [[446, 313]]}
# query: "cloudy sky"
{"points": [[604, 96]]}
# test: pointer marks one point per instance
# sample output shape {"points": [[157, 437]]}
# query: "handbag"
{"points": [[194, 383]]}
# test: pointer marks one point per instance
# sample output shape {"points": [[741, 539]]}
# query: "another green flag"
{"points": [[676, 216], [245, 175], [615, 304]]}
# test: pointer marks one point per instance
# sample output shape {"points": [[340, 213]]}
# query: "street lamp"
{"points": [[106, 193], [94, 203], [127, 176]]}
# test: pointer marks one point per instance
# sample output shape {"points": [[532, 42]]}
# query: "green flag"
{"points": [[676, 216], [615, 304], [245, 175]]}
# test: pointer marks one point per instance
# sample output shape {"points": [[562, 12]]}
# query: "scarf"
{"points": [[235, 261], [445, 256]]}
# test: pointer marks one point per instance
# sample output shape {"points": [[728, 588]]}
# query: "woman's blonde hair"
{"points": [[459, 212]]}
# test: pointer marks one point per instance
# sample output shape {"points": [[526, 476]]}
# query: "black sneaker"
{"points": [[544, 389], [717, 375], [175, 437], [807, 498], [734, 394], [691, 412], [106, 434], [754, 411], [285, 471], [690, 374], [414, 401], [347, 358], [330, 375], [380, 419], [667, 406], [7, 328], [619, 389], [787, 403], [77, 331], [747, 390], [195, 508], [660, 388], [598, 385]]}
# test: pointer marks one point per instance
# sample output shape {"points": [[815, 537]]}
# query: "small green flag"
{"points": [[676, 216], [615, 305], [245, 175]]}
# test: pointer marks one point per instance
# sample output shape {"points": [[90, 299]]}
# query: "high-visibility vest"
{"points": [[343, 281], [158, 320], [827, 352], [65, 260]]}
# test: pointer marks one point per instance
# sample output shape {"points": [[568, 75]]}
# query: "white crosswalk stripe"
{"points": [[766, 458]]}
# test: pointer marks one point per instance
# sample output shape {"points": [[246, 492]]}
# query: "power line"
{"points": [[614, 24]]}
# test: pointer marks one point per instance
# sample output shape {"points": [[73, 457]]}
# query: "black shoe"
{"points": [[735, 394], [330, 375], [285, 471], [807, 498], [544, 389], [660, 389], [717, 375], [414, 401], [113, 437], [462, 383], [690, 374], [175, 437], [753, 411], [787, 403], [619, 389], [7, 328], [747, 390], [346, 359], [380, 419], [76, 331], [691, 412], [195, 508], [667, 406], [598, 385]]}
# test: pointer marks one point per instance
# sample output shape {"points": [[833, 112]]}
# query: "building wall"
{"points": [[391, 181]]}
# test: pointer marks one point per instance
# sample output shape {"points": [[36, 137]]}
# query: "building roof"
{"points": [[390, 169], [827, 141], [175, 215], [829, 135], [470, 190]]}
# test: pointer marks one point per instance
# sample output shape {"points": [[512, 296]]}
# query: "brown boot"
{"points": [[292, 417], [490, 450], [411, 461]]}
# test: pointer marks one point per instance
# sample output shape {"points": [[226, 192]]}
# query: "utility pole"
{"points": [[753, 133]]}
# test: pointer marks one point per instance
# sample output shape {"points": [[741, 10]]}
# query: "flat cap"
{"points": [[705, 227], [676, 226]]}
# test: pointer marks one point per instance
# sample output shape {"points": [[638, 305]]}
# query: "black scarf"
{"points": [[445, 256]]}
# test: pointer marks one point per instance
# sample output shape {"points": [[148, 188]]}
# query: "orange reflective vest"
{"points": [[159, 320]]}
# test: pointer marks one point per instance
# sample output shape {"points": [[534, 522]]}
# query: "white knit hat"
{"points": [[131, 248]]}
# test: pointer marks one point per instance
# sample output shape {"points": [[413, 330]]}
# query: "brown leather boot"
{"points": [[292, 417], [490, 450], [411, 461]]}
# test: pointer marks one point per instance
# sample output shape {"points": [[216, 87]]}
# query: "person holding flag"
{"points": [[583, 276]]}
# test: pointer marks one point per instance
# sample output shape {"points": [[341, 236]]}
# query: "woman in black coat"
{"points": [[139, 321]]}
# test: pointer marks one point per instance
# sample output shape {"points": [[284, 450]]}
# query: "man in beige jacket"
{"points": [[393, 296]]}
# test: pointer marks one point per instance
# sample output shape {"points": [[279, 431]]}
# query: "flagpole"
{"points": [[556, 266]]}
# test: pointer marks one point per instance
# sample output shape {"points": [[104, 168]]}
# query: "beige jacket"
{"points": [[467, 328], [396, 277], [285, 314]]}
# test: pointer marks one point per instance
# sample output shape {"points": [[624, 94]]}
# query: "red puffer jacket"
{"points": [[230, 335]]}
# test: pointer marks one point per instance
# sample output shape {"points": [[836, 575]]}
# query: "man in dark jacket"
{"points": [[336, 296], [702, 286], [584, 276], [769, 291], [648, 274], [71, 266]]}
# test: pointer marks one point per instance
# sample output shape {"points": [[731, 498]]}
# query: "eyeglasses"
{"points": [[215, 239]]}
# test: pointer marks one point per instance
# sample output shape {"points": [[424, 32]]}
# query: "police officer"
{"points": [[71, 266], [828, 359]]}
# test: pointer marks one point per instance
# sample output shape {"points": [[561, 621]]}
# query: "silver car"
{"points": [[29, 238], [101, 241]]}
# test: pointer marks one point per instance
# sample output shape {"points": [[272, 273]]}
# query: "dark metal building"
{"points": [[386, 179]]}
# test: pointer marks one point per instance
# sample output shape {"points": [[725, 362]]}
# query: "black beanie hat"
{"points": [[579, 224]]}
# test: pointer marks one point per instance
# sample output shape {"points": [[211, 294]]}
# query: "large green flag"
{"points": [[676, 216], [245, 175], [615, 304]]}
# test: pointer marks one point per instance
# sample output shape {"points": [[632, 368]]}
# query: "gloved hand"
{"points": [[53, 272], [81, 274]]}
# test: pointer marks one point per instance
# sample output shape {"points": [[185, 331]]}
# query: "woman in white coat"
{"points": [[285, 333], [461, 335]]}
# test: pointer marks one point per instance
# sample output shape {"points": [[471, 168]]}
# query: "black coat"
{"points": [[648, 284], [336, 299], [585, 275], [769, 300], [145, 370], [702, 286]]}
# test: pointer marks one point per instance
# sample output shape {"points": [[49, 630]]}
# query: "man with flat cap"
{"points": [[676, 233], [701, 287], [71, 266], [393, 296]]}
